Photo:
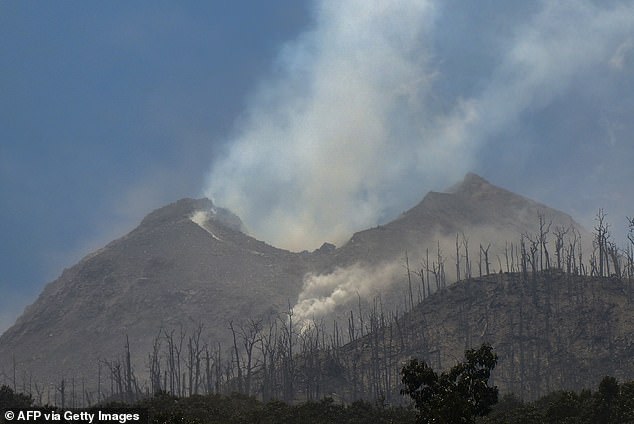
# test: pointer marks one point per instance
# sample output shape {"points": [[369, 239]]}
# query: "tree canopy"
{"points": [[456, 396]]}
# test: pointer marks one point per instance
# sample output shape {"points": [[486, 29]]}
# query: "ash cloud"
{"points": [[332, 295], [328, 138], [322, 294], [357, 121]]}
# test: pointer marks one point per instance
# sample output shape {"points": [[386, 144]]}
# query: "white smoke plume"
{"points": [[489, 249], [321, 294], [348, 131], [326, 139]]}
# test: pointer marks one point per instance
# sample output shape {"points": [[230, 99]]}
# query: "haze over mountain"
{"points": [[551, 330], [189, 263], [373, 260], [110, 112], [475, 207], [168, 272]]}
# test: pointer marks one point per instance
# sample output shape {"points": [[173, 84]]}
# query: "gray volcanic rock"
{"points": [[189, 263], [551, 331], [169, 271], [484, 213]]}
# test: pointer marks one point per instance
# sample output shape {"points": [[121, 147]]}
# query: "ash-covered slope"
{"points": [[189, 263], [483, 212], [185, 264], [372, 263], [551, 330]]}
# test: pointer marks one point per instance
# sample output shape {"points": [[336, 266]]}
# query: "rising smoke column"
{"points": [[326, 140], [321, 294], [347, 131], [349, 127]]}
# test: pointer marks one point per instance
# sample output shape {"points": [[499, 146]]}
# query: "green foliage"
{"points": [[512, 410], [626, 402], [612, 403], [239, 409], [457, 396], [605, 410], [10, 399], [236, 408], [562, 407]]}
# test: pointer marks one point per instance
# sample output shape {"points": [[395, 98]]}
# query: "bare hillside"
{"points": [[551, 330], [189, 264], [167, 273]]}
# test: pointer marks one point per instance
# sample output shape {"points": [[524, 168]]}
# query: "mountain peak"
{"points": [[471, 183], [181, 209], [186, 208], [167, 272]]}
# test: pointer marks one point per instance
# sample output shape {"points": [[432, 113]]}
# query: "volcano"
{"points": [[189, 264]]}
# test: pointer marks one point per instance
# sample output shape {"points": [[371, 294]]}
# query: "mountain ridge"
{"points": [[551, 330], [178, 268], [472, 204]]}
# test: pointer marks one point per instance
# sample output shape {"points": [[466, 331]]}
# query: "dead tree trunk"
{"points": [[600, 237], [236, 356]]}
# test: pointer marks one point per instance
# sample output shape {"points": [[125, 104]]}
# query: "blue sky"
{"points": [[108, 110], [352, 112]]}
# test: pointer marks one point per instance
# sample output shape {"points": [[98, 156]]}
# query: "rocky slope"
{"points": [[189, 263], [169, 271], [481, 211], [552, 331]]}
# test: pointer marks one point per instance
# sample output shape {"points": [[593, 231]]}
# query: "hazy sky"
{"points": [[310, 119]]}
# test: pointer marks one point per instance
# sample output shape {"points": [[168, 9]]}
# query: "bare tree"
{"points": [[193, 359], [421, 288], [560, 234], [629, 252], [409, 281], [484, 254], [457, 259], [544, 229], [250, 333], [268, 350], [601, 236], [154, 365], [99, 381], [129, 378], [287, 351], [465, 244], [352, 333], [116, 377], [213, 369], [236, 356], [62, 391], [614, 255], [175, 347]]}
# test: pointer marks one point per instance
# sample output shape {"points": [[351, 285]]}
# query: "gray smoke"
{"points": [[348, 130], [322, 293], [326, 140]]}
